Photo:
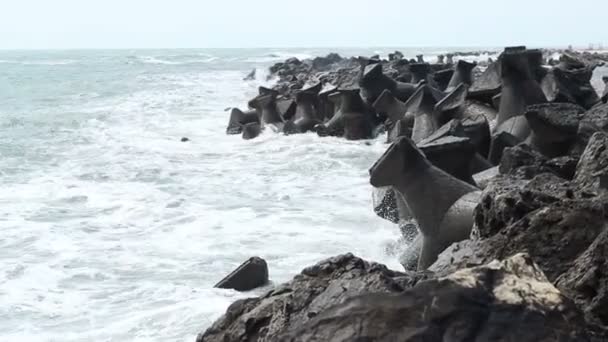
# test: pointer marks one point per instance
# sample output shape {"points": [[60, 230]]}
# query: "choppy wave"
{"points": [[176, 61], [278, 57]]}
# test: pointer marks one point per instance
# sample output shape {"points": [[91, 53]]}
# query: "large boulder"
{"points": [[310, 293], [547, 217], [502, 301]]}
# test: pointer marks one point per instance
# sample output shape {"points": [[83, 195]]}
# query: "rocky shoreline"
{"points": [[497, 175]]}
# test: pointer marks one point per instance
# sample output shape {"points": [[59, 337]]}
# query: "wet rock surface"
{"points": [[310, 293], [502, 301]]}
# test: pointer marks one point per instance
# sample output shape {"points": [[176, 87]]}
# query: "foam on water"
{"points": [[111, 229]]}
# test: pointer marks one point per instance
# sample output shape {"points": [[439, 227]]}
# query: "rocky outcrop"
{"points": [[502, 301], [310, 293], [347, 299]]}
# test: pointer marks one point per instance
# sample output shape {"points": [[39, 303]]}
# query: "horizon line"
{"points": [[298, 47]]}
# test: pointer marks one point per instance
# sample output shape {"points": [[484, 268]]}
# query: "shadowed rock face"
{"points": [[519, 87], [266, 107], [554, 127], [290, 305], [388, 104], [420, 72], [451, 154], [239, 118], [462, 75], [307, 115], [353, 120], [573, 85], [422, 107], [488, 85], [373, 82], [502, 301], [251, 130], [456, 106]]}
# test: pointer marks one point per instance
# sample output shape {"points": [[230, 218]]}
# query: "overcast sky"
{"points": [[309, 23]]}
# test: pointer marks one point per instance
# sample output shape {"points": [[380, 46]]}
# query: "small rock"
{"points": [[252, 274]]}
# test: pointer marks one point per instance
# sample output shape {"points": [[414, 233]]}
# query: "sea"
{"points": [[113, 229]]}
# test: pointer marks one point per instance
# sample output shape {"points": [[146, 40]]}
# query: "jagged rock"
{"points": [[594, 120], [593, 163], [310, 293], [570, 84], [554, 127], [524, 162], [553, 228], [587, 280], [252, 274], [510, 300], [322, 63]]}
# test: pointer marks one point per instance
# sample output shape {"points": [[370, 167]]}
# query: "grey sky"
{"points": [[284, 23]]}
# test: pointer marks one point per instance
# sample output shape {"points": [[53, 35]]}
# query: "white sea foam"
{"points": [[181, 61], [111, 229]]}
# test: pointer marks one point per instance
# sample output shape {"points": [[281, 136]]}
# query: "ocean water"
{"points": [[111, 229]]}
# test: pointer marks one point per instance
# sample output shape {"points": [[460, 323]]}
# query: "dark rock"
{"points": [[593, 163], [395, 56], [570, 85], [462, 75], [502, 301], [442, 78], [322, 63], [554, 229], [487, 85], [185, 139], [239, 118], [595, 120], [524, 162], [587, 280], [420, 72], [316, 289], [251, 130], [252, 274], [554, 127], [373, 82], [421, 106], [519, 87], [500, 141]]}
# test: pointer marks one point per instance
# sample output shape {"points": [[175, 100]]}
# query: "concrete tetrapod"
{"points": [[441, 204]]}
